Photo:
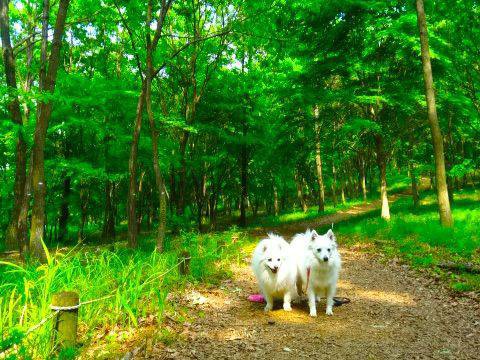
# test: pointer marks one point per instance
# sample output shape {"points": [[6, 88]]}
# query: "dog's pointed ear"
{"points": [[313, 235], [331, 235]]}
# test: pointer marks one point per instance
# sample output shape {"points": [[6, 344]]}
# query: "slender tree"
{"points": [[13, 233], [43, 115], [446, 218]]}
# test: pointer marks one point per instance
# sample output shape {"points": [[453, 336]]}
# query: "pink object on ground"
{"points": [[256, 298]]}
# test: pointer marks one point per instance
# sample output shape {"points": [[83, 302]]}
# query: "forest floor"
{"points": [[395, 312]]}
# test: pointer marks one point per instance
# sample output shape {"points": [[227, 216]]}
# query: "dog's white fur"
{"points": [[275, 270], [319, 254]]}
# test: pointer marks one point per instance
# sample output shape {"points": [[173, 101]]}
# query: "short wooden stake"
{"points": [[184, 266], [66, 321]]}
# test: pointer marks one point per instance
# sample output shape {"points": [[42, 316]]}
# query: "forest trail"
{"points": [[394, 313]]}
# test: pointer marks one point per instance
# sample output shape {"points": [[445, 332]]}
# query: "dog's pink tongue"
{"points": [[256, 298]]}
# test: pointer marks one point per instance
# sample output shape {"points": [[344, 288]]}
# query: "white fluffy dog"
{"points": [[318, 263], [275, 270]]}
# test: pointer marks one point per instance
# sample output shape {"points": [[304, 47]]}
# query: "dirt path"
{"points": [[395, 313]]}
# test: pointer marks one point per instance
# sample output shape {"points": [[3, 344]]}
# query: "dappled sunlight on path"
{"points": [[394, 313]]}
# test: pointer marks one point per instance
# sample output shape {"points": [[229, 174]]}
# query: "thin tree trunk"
{"points": [[84, 198], [132, 168], [382, 167], [318, 162], [182, 174], [334, 185], [444, 210], [363, 178], [275, 200], [162, 197], [64, 210], [413, 178], [141, 202], [12, 238], [23, 216], [244, 174], [108, 231], [301, 198], [38, 152]]}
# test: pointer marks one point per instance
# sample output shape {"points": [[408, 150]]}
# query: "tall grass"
{"points": [[133, 284]]}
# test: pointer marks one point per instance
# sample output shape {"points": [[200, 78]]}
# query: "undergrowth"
{"points": [[416, 236], [136, 284]]}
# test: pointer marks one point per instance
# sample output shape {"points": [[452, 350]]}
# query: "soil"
{"points": [[395, 313]]}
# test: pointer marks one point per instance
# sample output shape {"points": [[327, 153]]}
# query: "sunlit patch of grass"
{"points": [[298, 215], [416, 235]]}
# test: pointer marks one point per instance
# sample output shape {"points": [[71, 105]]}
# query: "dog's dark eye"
{"points": [[319, 249], [270, 259], [329, 250], [278, 259]]}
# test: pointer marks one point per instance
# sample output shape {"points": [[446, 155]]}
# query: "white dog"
{"points": [[275, 270], [318, 263]]}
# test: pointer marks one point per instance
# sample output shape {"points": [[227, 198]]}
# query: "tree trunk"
{"points": [[140, 202], [159, 182], [213, 210], [301, 198], [173, 193], [182, 180], [318, 162], [244, 175], [450, 160], [132, 168], [23, 216], [44, 111], [84, 198], [64, 211], [363, 178], [334, 185], [382, 167], [108, 231], [275, 200], [12, 238], [445, 213], [413, 178]]}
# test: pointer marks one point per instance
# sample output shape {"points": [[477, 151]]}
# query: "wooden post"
{"points": [[65, 324], [184, 266]]}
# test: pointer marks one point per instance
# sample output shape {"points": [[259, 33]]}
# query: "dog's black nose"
{"points": [[325, 258]]}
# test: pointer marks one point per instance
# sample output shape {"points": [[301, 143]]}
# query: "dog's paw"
{"points": [[329, 312], [313, 313], [287, 307], [268, 308]]}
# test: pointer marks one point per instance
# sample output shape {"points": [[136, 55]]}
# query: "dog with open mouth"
{"points": [[275, 270], [318, 267]]}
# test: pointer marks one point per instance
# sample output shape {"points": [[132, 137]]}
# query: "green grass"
{"points": [[416, 236], [299, 215], [137, 281]]}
